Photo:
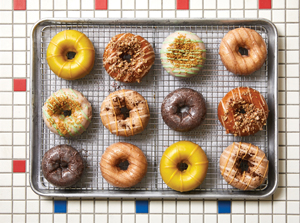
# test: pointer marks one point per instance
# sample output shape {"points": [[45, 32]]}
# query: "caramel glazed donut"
{"points": [[114, 119], [257, 164], [67, 113], [248, 39], [243, 111], [118, 153], [62, 166], [128, 57]]}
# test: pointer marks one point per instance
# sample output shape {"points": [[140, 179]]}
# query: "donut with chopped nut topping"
{"points": [[128, 57], [243, 111]]}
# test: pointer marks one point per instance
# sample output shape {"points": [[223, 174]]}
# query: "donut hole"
{"points": [[123, 165], [71, 55], [63, 164], [244, 165], [183, 109], [243, 51], [125, 112], [242, 111], [182, 166], [67, 113], [126, 57]]}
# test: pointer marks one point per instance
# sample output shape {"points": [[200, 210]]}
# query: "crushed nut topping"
{"points": [[246, 117], [185, 52]]}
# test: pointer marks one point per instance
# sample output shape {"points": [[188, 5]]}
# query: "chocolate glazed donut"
{"points": [[183, 109], [62, 166]]}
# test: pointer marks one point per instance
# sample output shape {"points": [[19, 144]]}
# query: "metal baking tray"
{"points": [[214, 82]]}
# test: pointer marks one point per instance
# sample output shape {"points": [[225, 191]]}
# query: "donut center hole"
{"points": [[70, 55], [182, 166], [63, 165], [183, 109], [242, 111], [126, 57], [125, 112], [244, 165], [67, 113], [124, 165], [243, 51]]}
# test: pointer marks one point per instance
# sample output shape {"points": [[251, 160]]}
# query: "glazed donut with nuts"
{"points": [[243, 111], [255, 170], [114, 111], [128, 57]]}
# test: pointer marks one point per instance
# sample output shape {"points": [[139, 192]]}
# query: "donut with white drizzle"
{"points": [[255, 171], [243, 111], [113, 113], [128, 57], [183, 54]]}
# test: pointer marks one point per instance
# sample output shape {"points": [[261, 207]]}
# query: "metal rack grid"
{"points": [[213, 82]]}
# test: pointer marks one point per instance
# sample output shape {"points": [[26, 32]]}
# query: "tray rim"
{"points": [[132, 194]]}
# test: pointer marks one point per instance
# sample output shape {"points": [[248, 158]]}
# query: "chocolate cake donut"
{"points": [[62, 166], [183, 109]]}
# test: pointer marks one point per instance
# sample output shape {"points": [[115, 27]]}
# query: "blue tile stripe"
{"points": [[60, 206], [224, 207], [141, 207]]}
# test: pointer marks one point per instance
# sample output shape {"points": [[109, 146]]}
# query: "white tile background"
{"points": [[17, 201]]}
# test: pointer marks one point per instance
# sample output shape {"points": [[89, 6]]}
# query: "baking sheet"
{"points": [[214, 82]]}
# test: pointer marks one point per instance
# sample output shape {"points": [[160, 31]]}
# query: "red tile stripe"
{"points": [[19, 84], [19, 4], [182, 4], [19, 166], [101, 4], [265, 4]]}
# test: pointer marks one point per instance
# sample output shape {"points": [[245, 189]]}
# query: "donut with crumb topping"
{"points": [[67, 113], [128, 57], [243, 111]]}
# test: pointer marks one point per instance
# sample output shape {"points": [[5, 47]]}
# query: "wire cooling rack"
{"points": [[213, 83]]}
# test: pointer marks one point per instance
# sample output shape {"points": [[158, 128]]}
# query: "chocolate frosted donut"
{"points": [[62, 166], [183, 109]]}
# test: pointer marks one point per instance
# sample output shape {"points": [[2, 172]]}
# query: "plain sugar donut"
{"points": [[118, 153], [246, 38], [257, 163]]}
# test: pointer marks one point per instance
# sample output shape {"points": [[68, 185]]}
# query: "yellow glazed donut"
{"points": [[64, 43], [183, 152]]}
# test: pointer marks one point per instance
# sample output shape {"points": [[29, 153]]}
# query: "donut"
{"points": [[195, 161], [67, 113], [128, 57], [118, 153], [183, 54], [243, 111], [237, 41], [253, 159], [125, 113], [62, 166], [61, 59], [183, 109]]}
